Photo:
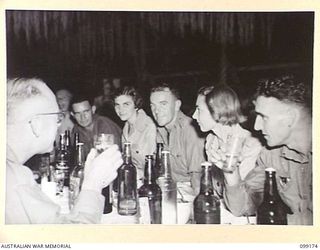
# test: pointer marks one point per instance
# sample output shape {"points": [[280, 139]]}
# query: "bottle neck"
{"points": [[76, 139], [79, 155], [159, 151], [165, 159], [127, 154], [62, 145], [270, 186], [206, 186], [148, 172], [67, 139]]}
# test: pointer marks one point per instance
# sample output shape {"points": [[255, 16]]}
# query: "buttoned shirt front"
{"points": [[186, 147], [142, 135]]}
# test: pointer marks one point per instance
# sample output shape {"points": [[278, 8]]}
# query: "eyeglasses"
{"points": [[60, 115]]}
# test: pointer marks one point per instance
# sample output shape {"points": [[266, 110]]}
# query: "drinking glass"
{"points": [[103, 141], [233, 147]]}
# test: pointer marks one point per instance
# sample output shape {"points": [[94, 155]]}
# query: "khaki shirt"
{"points": [[186, 147], [142, 136]]}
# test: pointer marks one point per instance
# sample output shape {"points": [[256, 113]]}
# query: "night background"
{"points": [[77, 49]]}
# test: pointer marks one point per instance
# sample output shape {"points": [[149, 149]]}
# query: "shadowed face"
{"points": [[63, 99], [202, 115], [83, 113]]}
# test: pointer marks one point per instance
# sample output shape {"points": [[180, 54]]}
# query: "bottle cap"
{"points": [[206, 164], [270, 170], [165, 152]]}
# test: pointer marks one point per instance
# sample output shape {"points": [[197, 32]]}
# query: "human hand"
{"points": [[101, 169], [217, 152]]}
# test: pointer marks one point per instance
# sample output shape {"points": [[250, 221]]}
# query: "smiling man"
{"points": [[179, 136], [90, 124], [283, 108]]}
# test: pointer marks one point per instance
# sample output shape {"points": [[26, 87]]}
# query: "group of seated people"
{"points": [[283, 115]]}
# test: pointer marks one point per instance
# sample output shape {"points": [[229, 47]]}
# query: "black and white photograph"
{"points": [[179, 118]]}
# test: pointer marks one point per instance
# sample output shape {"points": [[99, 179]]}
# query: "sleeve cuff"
{"points": [[90, 202]]}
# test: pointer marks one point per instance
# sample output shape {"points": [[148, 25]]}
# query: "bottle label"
{"points": [[203, 217], [144, 210]]}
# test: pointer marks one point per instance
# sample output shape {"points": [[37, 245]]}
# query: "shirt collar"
{"points": [[178, 122], [140, 123], [294, 155]]}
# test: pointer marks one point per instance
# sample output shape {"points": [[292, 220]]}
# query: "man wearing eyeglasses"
{"points": [[32, 123], [88, 124]]}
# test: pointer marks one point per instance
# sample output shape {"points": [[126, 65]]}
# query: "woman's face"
{"points": [[202, 115], [124, 107]]}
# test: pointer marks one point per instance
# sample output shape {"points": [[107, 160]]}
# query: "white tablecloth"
{"points": [[226, 218]]}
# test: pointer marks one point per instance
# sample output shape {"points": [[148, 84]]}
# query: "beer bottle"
{"points": [[150, 194], [77, 175], [206, 205], [127, 184], [62, 165], [74, 148], [169, 191], [272, 211], [68, 148]]}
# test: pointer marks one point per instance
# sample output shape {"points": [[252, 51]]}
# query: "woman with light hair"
{"points": [[218, 110]]}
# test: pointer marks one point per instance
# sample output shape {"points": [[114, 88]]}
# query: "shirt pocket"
{"points": [[284, 183]]}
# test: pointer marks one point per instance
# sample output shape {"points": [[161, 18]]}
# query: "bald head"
{"points": [[22, 92], [32, 117]]}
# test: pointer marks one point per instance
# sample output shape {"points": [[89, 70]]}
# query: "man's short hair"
{"points": [[164, 87], [68, 92], [23, 89], [130, 91], [286, 89], [77, 98], [224, 105]]}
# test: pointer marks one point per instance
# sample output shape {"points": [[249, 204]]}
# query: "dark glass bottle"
{"points": [[169, 191], [127, 184], [206, 206], [152, 192], [76, 139], [62, 165], [77, 175], [67, 139], [272, 210], [68, 148], [158, 163]]}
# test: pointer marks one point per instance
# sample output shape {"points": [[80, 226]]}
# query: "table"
{"points": [[227, 218]]}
